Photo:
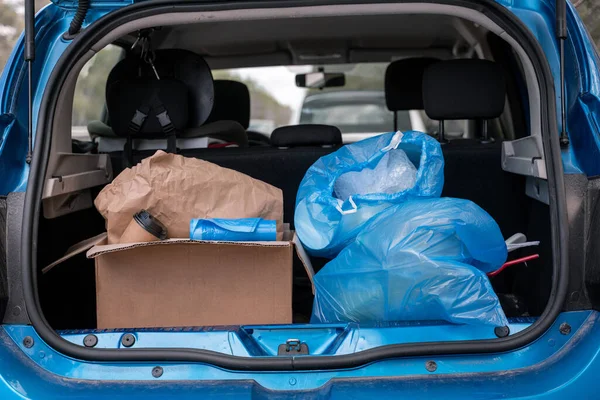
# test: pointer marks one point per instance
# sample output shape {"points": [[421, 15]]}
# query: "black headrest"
{"points": [[232, 103], [306, 135], [404, 83], [464, 89], [137, 104], [182, 65]]}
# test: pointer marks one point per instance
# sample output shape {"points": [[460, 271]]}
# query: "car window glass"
{"points": [[357, 107], [90, 91]]}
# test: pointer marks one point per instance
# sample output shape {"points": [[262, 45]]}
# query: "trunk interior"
{"points": [[473, 170]]}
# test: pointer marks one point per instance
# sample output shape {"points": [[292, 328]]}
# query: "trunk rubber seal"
{"points": [[558, 214]]}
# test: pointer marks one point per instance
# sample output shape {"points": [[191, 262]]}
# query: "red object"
{"points": [[513, 262]]}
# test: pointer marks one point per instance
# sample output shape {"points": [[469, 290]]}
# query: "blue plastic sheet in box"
{"points": [[237, 229]]}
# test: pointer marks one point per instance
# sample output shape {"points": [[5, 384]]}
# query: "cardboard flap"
{"points": [[77, 249], [303, 256], [95, 247], [111, 248]]}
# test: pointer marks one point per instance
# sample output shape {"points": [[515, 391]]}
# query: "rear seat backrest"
{"points": [[474, 89], [191, 69]]}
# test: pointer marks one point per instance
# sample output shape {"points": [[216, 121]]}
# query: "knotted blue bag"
{"points": [[325, 223], [421, 260]]}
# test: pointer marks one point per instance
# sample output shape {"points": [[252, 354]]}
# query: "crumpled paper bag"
{"points": [[176, 189]]}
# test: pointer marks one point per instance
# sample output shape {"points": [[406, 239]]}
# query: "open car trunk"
{"points": [[472, 171], [512, 178]]}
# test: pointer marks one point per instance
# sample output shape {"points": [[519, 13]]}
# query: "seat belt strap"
{"points": [[135, 124], [165, 123]]}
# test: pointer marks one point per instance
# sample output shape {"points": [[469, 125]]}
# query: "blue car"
{"points": [[519, 80]]}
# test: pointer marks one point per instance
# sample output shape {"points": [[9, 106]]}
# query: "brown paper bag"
{"points": [[175, 189]]}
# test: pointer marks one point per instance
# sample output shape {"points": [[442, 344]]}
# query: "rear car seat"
{"points": [[147, 108], [192, 70], [474, 89], [230, 113]]}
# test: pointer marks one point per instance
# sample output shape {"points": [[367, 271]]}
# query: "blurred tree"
{"points": [[589, 10], [90, 90], [10, 28], [11, 25]]}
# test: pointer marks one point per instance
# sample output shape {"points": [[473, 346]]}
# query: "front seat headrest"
{"points": [[306, 135], [232, 103], [181, 65], [464, 89], [404, 83]]}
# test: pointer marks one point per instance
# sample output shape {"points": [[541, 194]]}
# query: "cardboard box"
{"points": [[180, 282]]}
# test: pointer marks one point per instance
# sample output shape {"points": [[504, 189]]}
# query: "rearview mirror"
{"points": [[320, 80]]}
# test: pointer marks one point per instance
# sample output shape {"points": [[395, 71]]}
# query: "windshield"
{"points": [[357, 107], [366, 115]]}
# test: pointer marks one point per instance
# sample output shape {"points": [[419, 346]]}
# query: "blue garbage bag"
{"points": [[326, 223], [422, 260]]}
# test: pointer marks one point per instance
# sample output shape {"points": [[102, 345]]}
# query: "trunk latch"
{"points": [[292, 347]]}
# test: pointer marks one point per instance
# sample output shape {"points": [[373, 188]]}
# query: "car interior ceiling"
{"points": [[472, 166]]}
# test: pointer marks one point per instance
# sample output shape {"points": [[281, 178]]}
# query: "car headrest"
{"points": [[464, 89], [232, 103], [404, 83], [137, 106], [182, 65], [306, 135]]}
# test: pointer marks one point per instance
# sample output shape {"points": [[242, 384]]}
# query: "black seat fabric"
{"points": [[473, 171], [232, 102], [475, 89], [131, 100], [306, 135], [181, 65], [283, 168], [464, 89], [192, 71], [230, 115], [404, 83]]}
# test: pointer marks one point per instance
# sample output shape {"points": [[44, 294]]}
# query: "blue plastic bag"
{"points": [[238, 229], [325, 224], [421, 260]]}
